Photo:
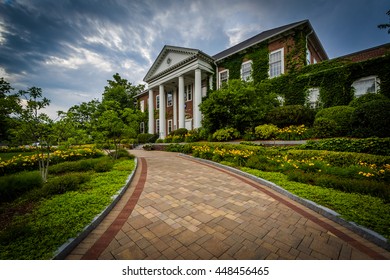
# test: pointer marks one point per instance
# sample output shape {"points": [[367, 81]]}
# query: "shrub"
{"points": [[146, 138], [290, 115], [103, 166], [266, 131], [349, 185], [371, 119], [324, 128], [65, 183], [341, 115], [168, 139], [375, 146], [192, 135], [357, 102], [12, 186], [180, 132], [226, 134], [121, 153]]}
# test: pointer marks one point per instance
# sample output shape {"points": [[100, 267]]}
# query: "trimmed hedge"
{"points": [[375, 146], [12, 186], [147, 138], [357, 102], [341, 115], [290, 115], [371, 119]]}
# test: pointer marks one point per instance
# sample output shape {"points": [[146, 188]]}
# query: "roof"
{"points": [[373, 52], [192, 54], [263, 36]]}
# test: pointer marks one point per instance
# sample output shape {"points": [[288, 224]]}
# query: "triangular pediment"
{"points": [[170, 58]]}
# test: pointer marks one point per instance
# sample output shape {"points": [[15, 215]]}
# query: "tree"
{"points": [[35, 126], [238, 104], [8, 105], [386, 25], [122, 91], [110, 126]]}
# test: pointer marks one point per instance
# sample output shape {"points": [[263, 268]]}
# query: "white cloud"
{"points": [[78, 57]]}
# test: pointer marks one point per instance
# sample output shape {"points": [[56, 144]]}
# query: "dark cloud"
{"points": [[71, 47]]}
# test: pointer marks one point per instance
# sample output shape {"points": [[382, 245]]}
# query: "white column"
{"points": [[162, 112], [151, 112], [181, 103], [197, 98], [174, 100]]}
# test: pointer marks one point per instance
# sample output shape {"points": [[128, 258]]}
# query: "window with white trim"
{"points": [[276, 63], [169, 99], [142, 105], [169, 126], [366, 85], [246, 70], [142, 127], [157, 102], [223, 77], [157, 126], [188, 93], [313, 97]]}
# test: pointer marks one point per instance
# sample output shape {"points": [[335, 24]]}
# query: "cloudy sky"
{"points": [[70, 48]]}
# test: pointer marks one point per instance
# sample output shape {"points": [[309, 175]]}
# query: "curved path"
{"points": [[179, 208]]}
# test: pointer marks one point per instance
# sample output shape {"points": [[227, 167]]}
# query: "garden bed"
{"points": [[38, 222], [345, 182]]}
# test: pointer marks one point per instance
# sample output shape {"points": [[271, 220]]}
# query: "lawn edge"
{"points": [[68, 246]]}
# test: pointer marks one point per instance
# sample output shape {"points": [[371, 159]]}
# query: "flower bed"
{"points": [[30, 162]]}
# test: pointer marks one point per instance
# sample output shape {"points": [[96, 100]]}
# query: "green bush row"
{"points": [[375, 146], [12, 186]]}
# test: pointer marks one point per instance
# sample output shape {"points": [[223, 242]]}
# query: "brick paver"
{"points": [[178, 208]]}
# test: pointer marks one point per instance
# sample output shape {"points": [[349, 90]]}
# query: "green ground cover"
{"points": [[45, 217]]}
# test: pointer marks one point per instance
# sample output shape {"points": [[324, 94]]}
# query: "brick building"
{"points": [[180, 77]]}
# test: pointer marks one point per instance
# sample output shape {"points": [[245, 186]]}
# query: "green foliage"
{"points": [[341, 115], [238, 104], [13, 186], [226, 134], [179, 132], [349, 185], [122, 91], [357, 102], [293, 132], [56, 220], [324, 128], [375, 146], [290, 115], [64, 183], [266, 131], [146, 138], [371, 119]]}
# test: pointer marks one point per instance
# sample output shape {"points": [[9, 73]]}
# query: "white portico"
{"points": [[177, 81]]}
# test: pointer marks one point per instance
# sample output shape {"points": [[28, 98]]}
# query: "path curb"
{"points": [[366, 233], [68, 246]]}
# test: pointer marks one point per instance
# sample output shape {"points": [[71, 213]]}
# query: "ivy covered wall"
{"points": [[333, 77]]}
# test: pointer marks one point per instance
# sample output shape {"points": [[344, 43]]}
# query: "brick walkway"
{"points": [[178, 208]]}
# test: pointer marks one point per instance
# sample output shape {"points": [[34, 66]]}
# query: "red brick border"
{"points": [[101, 244], [350, 240]]}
